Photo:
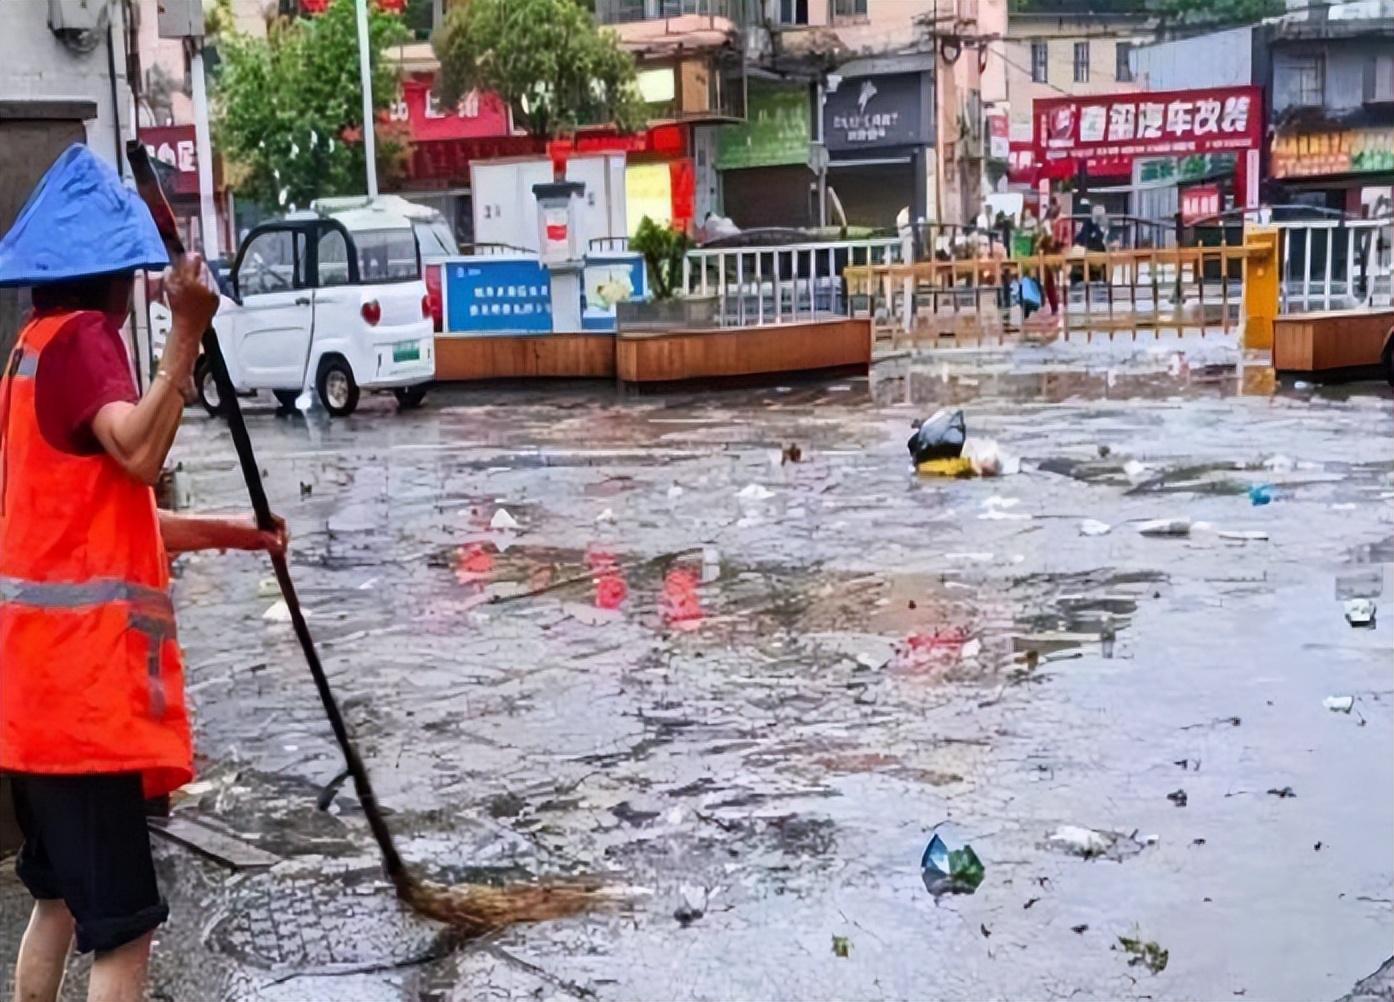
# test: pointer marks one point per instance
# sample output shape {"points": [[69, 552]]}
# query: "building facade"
{"points": [[1070, 48], [1329, 75]]}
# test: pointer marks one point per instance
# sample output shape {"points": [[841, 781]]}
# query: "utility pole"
{"points": [[365, 75], [203, 152]]}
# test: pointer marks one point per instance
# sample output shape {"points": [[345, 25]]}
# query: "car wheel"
{"points": [[409, 397], [285, 399], [336, 386], [208, 394]]}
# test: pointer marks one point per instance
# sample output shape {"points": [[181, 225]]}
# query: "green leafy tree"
{"points": [[288, 109], [1226, 12], [546, 58], [663, 248]]}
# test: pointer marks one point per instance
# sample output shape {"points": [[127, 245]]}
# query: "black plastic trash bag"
{"points": [[939, 437]]}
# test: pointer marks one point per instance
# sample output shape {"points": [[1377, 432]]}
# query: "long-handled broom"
{"points": [[474, 908]]}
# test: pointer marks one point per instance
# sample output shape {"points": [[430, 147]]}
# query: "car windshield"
{"points": [[386, 256], [435, 240]]}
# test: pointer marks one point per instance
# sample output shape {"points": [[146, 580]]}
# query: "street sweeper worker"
{"points": [[92, 714]]}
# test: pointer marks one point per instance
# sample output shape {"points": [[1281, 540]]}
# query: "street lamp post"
{"points": [[365, 75]]}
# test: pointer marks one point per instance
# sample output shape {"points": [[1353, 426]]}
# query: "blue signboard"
{"points": [[497, 294]]}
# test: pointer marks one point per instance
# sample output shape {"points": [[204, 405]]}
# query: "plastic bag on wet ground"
{"points": [[940, 436], [950, 866]]}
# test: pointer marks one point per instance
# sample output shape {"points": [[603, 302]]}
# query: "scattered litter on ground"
{"points": [[608, 515], [278, 612], [950, 870], [998, 508], [1214, 722], [1171, 527], [693, 904], [1079, 930], [1244, 535], [989, 459], [1093, 527], [1149, 954], [711, 564], [268, 588], [842, 946], [219, 846], [1104, 451], [503, 520], [1135, 471], [957, 467], [1088, 843], [1281, 794], [1362, 584], [982, 928], [368, 585], [1197, 841], [1177, 797], [674, 491], [1339, 704], [1029, 903], [1316, 847], [941, 436], [1360, 613], [1279, 464], [1261, 494], [755, 492], [791, 454]]}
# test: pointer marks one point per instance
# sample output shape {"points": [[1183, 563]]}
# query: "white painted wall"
{"points": [[34, 64], [1220, 59]]}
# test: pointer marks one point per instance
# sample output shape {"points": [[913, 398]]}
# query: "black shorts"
{"points": [[85, 841]]}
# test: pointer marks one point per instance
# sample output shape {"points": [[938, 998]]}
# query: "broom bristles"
{"points": [[481, 908]]}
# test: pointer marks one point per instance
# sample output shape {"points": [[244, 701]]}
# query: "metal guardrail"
{"points": [[1332, 264], [771, 285], [1126, 291]]}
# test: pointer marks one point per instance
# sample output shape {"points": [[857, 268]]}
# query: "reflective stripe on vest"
{"points": [[24, 364], [152, 613]]}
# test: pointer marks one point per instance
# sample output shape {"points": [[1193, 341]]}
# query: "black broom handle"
{"points": [[251, 473], [148, 186]]}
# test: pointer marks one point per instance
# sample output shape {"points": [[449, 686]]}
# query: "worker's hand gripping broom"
{"points": [[473, 907]]}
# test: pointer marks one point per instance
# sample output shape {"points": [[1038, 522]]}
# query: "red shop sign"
{"points": [[1200, 201], [174, 145], [478, 115], [1118, 127]]}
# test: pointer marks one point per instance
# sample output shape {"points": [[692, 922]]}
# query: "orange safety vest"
{"points": [[91, 679]]}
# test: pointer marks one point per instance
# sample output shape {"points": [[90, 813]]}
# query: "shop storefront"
{"points": [[879, 132], [1347, 169], [1156, 153], [764, 161]]}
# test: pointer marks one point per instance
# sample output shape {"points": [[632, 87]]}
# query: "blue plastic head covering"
{"points": [[81, 220]]}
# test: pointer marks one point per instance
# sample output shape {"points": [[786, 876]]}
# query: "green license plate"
{"points": [[407, 351]]}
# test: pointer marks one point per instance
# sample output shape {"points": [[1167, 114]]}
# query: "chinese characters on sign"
{"points": [[1199, 202], [1346, 151], [174, 145], [882, 111], [1120, 126], [477, 115]]}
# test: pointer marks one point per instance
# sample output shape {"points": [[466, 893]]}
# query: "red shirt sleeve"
{"points": [[83, 369]]}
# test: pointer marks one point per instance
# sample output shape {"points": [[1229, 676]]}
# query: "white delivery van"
{"points": [[335, 302]]}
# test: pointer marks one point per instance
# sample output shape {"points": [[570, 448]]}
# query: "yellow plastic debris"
{"points": [[956, 467]]}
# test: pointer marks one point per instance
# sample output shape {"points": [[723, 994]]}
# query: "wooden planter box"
{"points": [[1340, 339]]}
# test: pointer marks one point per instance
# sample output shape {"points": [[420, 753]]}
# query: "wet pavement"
{"points": [[749, 688]]}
